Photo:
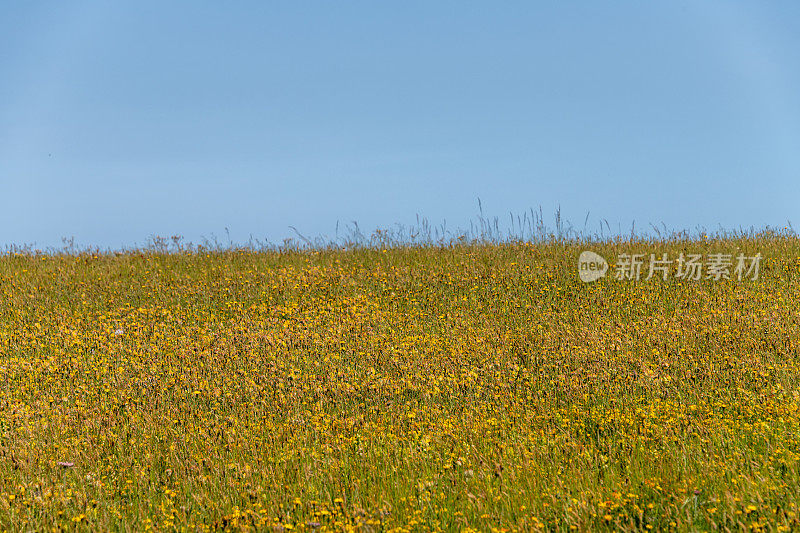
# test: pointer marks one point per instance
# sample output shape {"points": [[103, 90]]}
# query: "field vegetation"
{"points": [[466, 386]]}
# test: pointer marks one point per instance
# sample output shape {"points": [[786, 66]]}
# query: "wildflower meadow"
{"points": [[464, 387]]}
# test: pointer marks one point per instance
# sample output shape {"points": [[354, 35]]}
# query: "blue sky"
{"points": [[121, 120]]}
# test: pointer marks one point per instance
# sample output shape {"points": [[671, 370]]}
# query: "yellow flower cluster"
{"points": [[468, 388]]}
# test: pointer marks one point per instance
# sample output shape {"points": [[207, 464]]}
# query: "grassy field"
{"points": [[470, 387]]}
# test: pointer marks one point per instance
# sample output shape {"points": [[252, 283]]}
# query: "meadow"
{"points": [[466, 387]]}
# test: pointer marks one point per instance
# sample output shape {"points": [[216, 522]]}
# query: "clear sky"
{"points": [[120, 120]]}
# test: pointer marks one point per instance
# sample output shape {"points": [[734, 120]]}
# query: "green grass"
{"points": [[473, 386]]}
